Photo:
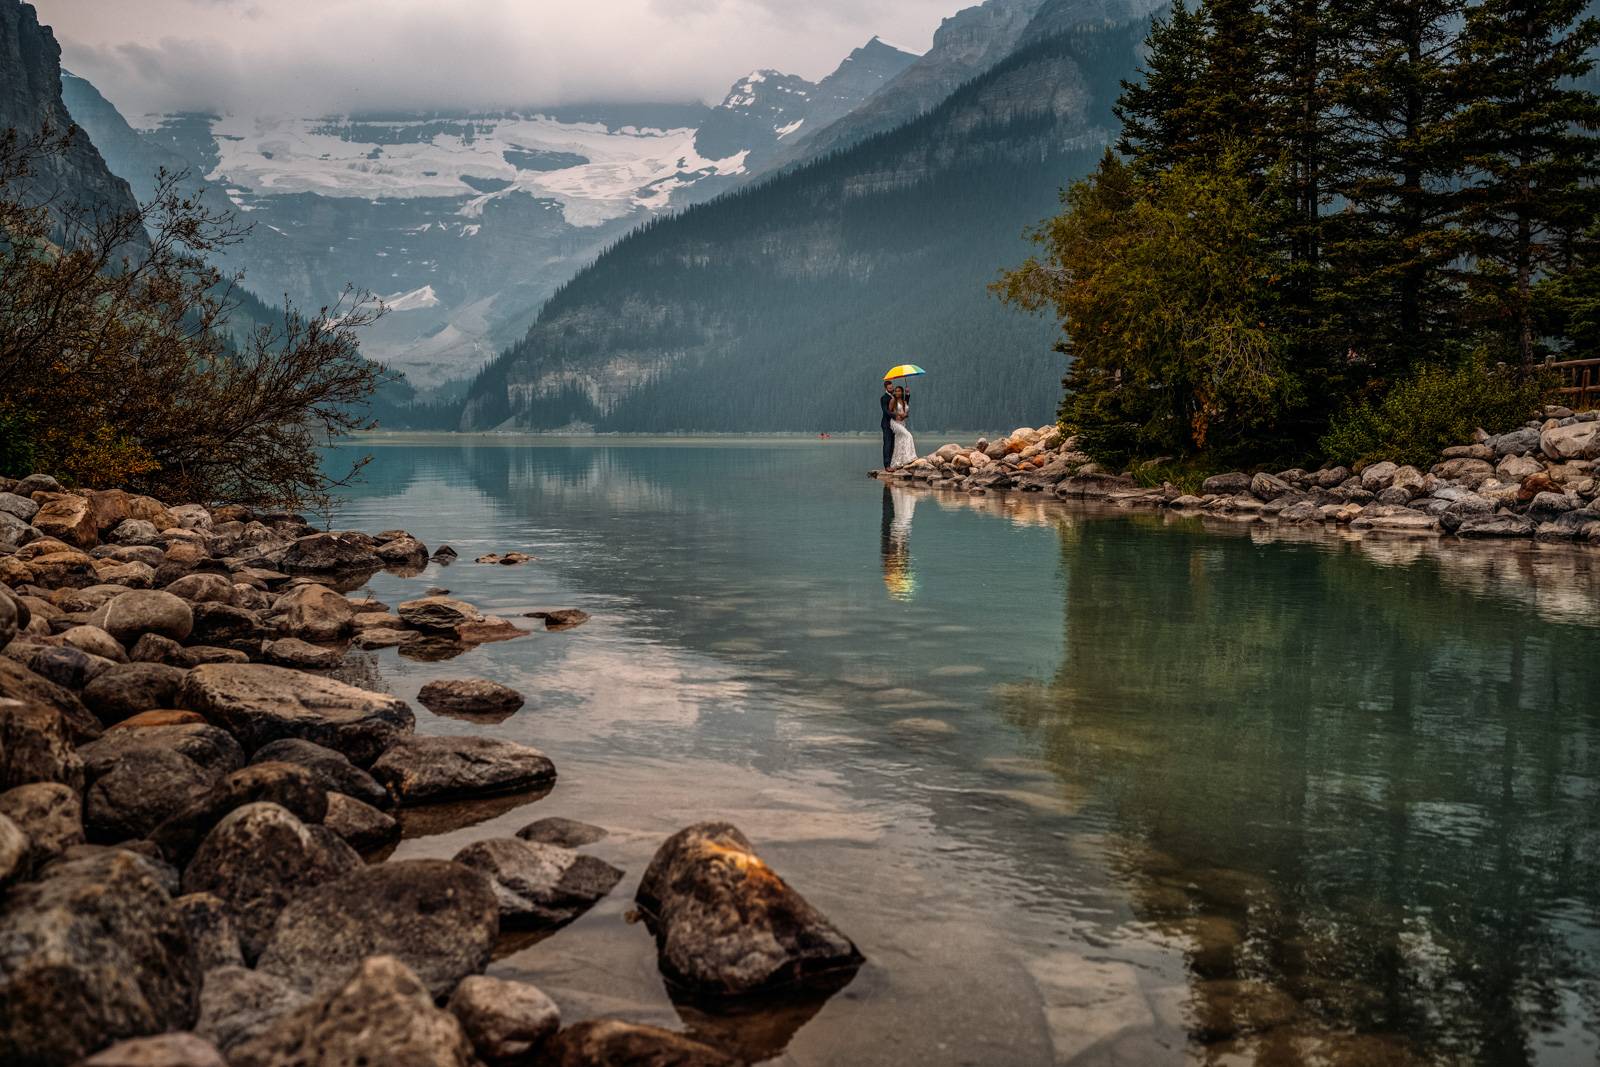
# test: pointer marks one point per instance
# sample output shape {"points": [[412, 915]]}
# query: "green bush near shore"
{"points": [[1431, 409]]}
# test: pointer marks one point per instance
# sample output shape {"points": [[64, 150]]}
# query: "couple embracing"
{"points": [[899, 448]]}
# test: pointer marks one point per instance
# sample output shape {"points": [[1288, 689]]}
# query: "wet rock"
{"points": [[726, 924], [1495, 526], [69, 519], [212, 937], [329, 553], [470, 696], [203, 588], [162, 1050], [258, 859], [429, 647], [362, 826], [568, 833], [19, 683], [212, 749], [315, 613], [94, 951], [301, 655], [377, 620], [438, 918], [130, 688], [382, 1014], [381, 638], [421, 769], [607, 1042], [259, 704], [290, 787], [146, 611], [36, 746], [505, 1021], [403, 551], [444, 554], [537, 884], [51, 816], [328, 768], [439, 614], [144, 788], [237, 1004], [561, 618]]}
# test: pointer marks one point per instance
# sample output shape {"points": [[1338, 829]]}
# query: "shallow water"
{"points": [[1085, 786]]}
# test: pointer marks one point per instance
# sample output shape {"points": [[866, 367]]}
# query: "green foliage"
{"points": [[18, 456], [1433, 408]]}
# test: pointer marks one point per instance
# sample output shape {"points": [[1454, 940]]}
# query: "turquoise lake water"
{"points": [[1085, 786]]}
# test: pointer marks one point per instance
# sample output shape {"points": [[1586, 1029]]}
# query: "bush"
{"points": [[17, 454], [1432, 409], [119, 357]]}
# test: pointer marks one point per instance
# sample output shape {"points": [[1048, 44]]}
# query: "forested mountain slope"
{"points": [[775, 307]]}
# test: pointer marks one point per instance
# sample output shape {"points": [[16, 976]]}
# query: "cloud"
{"points": [[330, 56]]}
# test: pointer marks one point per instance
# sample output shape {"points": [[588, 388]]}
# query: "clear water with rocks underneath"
{"points": [[1085, 786]]}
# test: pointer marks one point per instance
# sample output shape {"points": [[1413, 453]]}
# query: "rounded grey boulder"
{"points": [[146, 611], [504, 1020]]}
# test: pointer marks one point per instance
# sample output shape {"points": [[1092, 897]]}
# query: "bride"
{"points": [[905, 446]]}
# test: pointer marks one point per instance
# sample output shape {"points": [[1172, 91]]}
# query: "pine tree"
{"points": [[1528, 138], [1154, 109]]}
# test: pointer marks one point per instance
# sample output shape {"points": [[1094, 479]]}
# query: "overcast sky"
{"points": [[317, 56]]}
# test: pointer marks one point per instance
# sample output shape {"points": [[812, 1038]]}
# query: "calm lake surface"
{"points": [[1084, 786]]}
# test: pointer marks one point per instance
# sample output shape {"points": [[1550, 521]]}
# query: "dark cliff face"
{"points": [[773, 308], [30, 99], [129, 155]]}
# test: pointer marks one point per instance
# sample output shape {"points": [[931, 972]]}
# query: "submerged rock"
{"points": [[420, 769], [537, 884], [726, 924], [555, 830], [438, 918], [94, 951], [259, 704]]}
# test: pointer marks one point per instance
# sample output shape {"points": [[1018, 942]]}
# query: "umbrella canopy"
{"points": [[904, 370]]}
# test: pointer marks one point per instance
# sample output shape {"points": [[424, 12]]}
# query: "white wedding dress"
{"points": [[905, 446]]}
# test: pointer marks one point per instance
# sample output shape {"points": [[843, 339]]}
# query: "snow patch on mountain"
{"points": [[415, 300]]}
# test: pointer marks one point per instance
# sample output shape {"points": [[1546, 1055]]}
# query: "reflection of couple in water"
{"points": [[898, 504]]}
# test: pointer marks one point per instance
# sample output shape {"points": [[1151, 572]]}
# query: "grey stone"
{"points": [[537, 884], [469, 697], [314, 613], [505, 1021], [144, 788], [1516, 442], [301, 655], [212, 936], [36, 746], [50, 814], [20, 507], [288, 786], [238, 1004], [203, 588], [439, 918], [329, 553], [1268, 487], [145, 611], [212, 749], [14, 533], [727, 925], [161, 1050], [421, 769], [259, 704], [1377, 477], [332, 770], [94, 951], [1579, 440], [362, 826], [1494, 526], [1547, 506], [1227, 484], [129, 688]]}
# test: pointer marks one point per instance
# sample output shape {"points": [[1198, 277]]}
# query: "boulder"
{"points": [[561, 618], [161, 1050], [1377, 477], [212, 749], [146, 611], [439, 918], [202, 588], [14, 852], [51, 816], [225, 624], [136, 532], [19, 507], [37, 483], [14, 533], [568, 833], [212, 936], [1495, 526], [283, 784], [93, 952], [439, 614], [48, 674], [68, 568], [153, 648], [36, 745], [128, 575], [328, 768], [537, 884], [190, 517], [1451, 518], [505, 1021], [382, 1014], [403, 552], [237, 1004], [1516, 468], [1227, 484], [160, 717], [69, 519], [1548, 506], [258, 859], [1580, 440], [727, 925], [301, 655], [444, 554], [1516, 442], [129, 688], [471, 697], [421, 769], [1266, 486], [315, 613], [608, 1042], [94, 641], [329, 553], [362, 826], [259, 704], [144, 788]]}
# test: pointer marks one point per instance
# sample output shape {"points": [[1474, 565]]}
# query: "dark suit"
{"points": [[888, 435]]}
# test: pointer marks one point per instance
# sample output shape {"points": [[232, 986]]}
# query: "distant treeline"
{"points": [[1324, 219]]}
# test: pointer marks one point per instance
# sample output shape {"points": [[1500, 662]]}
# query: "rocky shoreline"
{"points": [[195, 811], [1537, 482]]}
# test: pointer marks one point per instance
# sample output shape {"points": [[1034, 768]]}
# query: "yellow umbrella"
{"points": [[904, 370]]}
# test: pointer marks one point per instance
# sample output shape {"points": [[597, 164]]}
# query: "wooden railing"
{"points": [[1580, 382]]}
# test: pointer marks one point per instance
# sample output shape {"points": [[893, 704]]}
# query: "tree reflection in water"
{"points": [[1362, 799]]}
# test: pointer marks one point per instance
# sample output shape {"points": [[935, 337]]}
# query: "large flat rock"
{"points": [[420, 769]]}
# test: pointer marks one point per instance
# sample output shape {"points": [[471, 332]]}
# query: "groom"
{"points": [[888, 435]]}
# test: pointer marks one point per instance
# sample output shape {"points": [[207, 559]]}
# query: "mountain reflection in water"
{"points": [[1092, 787]]}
